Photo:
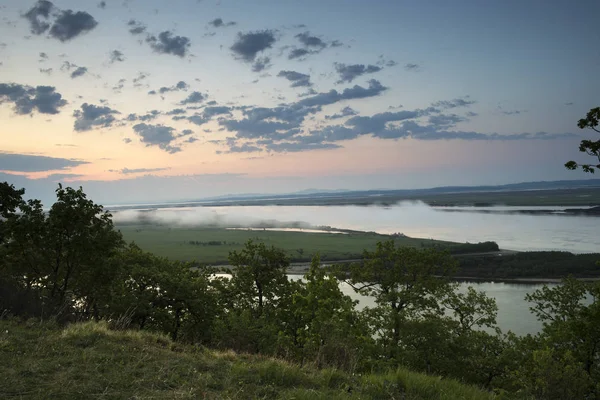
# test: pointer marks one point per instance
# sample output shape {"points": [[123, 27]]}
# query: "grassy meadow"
{"points": [[88, 360], [212, 245]]}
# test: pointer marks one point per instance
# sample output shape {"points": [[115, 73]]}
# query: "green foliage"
{"points": [[590, 147], [571, 316], [531, 264], [63, 254]]}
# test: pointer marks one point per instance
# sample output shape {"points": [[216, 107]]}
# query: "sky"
{"points": [[141, 101]]}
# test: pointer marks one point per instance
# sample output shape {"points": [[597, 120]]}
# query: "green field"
{"points": [[214, 244]]}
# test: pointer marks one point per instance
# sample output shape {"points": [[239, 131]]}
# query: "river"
{"points": [[577, 234]]}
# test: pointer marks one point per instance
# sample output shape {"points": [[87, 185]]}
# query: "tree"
{"points": [[258, 275], [406, 282], [64, 253], [570, 314], [590, 147], [327, 329]]}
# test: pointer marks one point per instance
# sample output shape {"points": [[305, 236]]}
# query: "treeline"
{"points": [[534, 264], [69, 264]]}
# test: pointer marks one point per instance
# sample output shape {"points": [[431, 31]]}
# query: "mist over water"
{"points": [[577, 234]]}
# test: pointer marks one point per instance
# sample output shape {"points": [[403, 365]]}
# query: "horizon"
{"points": [[160, 102]]}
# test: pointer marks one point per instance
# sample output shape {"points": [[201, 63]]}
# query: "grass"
{"points": [[173, 242], [87, 361]]}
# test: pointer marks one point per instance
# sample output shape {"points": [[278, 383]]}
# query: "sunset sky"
{"points": [[149, 100]]}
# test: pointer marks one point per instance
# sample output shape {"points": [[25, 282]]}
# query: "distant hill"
{"points": [[314, 193]]}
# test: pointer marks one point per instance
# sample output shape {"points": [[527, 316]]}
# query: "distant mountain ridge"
{"points": [[523, 186]]}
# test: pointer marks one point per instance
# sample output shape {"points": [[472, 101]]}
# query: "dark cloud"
{"points": [[445, 121], [348, 73], [181, 85], [32, 163], [176, 111], [102, 5], [296, 78], [157, 135], [283, 123], [47, 71], [68, 25], [149, 116], [209, 112], [333, 96], [310, 41], [138, 80], [38, 16], [218, 23], [261, 64], [26, 99], [191, 139], [136, 27], [116, 56], [344, 112], [43, 56], [194, 97], [248, 45], [412, 67], [79, 71], [513, 112], [91, 116], [166, 43], [298, 53], [454, 103], [127, 171], [127, 140], [471, 114]]}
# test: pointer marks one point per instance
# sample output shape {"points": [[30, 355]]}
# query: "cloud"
{"points": [[68, 25], [298, 79], [127, 171], [348, 73], [218, 23], [310, 41], [34, 163], [47, 71], [136, 27], [102, 4], [454, 103], [116, 56], [194, 97], [216, 110], [176, 111], [166, 43], [298, 53], [181, 85], [127, 140], [261, 64], [344, 112], [283, 123], [91, 116], [149, 116], [43, 56], [157, 135], [412, 67], [513, 112], [570, 103], [38, 16], [79, 71], [248, 45], [26, 99], [445, 121]]}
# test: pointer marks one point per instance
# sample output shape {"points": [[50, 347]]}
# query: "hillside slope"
{"points": [[41, 361]]}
